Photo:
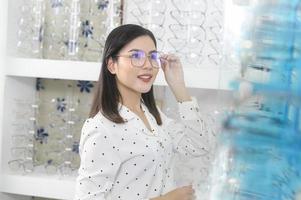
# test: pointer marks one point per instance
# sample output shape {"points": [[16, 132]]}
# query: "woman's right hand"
{"points": [[181, 193]]}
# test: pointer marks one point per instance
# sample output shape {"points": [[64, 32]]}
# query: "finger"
{"points": [[188, 188], [163, 68], [191, 191], [173, 57], [170, 57], [192, 194], [190, 185], [164, 63], [164, 56]]}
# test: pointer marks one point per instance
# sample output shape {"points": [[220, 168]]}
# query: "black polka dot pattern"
{"points": [[128, 160]]}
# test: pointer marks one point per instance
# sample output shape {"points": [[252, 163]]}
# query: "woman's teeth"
{"points": [[145, 78]]}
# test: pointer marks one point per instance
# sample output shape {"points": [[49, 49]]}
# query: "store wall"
{"points": [[2, 53]]}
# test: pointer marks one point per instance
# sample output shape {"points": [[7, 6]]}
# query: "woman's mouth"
{"points": [[145, 77]]}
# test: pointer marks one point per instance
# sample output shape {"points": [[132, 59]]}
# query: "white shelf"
{"points": [[38, 185], [59, 69], [77, 70]]}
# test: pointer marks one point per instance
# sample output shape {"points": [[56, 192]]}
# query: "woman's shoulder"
{"points": [[92, 121], [94, 128], [93, 125], [98, 120]]}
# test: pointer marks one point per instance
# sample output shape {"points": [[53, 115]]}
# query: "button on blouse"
{"points": [[128, 161]]}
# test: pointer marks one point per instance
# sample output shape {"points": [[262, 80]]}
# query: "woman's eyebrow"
{"points": [[153, 51], [135, 50], [142, 50]]}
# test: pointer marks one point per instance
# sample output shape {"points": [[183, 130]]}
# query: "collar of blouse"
{"points": [[129, 116]]}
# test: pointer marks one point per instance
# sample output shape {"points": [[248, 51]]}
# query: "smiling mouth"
{"points": [[145, 78]]}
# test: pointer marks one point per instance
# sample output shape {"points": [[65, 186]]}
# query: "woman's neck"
{"points": [[130, 98]]}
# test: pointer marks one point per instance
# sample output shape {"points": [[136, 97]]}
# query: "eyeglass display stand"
{"points": [[193, 30]]}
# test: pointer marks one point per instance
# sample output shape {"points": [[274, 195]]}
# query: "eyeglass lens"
{"points": [[138, 58]]}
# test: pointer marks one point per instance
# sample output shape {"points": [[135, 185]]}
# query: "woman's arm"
{"points": [[190, 137], [174, 76]]}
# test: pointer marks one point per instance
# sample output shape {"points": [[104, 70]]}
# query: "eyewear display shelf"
{"points": [[18, 76]]}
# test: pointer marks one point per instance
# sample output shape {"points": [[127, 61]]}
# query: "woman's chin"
{"points": [[145, 89]]}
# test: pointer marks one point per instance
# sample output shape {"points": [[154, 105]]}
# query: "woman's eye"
{"points": [[137, 55], [155, 56]]}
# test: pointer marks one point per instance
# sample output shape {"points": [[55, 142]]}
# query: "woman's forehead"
{"points": [[144, 43]]}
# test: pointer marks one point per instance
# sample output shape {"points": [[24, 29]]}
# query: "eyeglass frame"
{"points": [[21, 165], [147, 56]]}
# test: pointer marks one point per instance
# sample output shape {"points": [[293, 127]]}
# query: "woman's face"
{"points": [[134, 78]]}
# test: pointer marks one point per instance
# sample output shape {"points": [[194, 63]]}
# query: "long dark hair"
{"points": [[107, 95]]}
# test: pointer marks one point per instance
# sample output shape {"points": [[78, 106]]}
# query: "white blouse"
{"points": [[130, 162]]}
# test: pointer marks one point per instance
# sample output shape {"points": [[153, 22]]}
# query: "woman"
{"points": [[127, 145]]}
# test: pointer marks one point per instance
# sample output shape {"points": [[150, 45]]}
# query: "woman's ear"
{"points": [[111, 66]]}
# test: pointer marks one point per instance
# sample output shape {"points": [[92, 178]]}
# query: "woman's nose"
{"points": [[147, 64]]}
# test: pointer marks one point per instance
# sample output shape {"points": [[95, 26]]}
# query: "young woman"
{"points": [[127, 145]]}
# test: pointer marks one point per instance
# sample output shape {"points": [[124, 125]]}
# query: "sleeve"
{"points": [[190, 136], [99, 164]]}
